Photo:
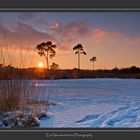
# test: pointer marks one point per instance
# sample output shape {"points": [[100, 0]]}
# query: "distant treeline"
{"points": [[8, 72]]}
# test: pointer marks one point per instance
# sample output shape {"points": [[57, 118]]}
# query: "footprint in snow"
{"points": [[89, 117]]}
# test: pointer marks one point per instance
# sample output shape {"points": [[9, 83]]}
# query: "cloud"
{"points": [[78, 27], [65, 36], [72, 28], [56, 26], [69, 34], [27, 37], [32, 16], [103, 38], [23, 35], [72, 33], [100, 34], [78, 32]]}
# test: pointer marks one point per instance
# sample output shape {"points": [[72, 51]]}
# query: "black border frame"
{"points": [[4, 4], [69, 6]]}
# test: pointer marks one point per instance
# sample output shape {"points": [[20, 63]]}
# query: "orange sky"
{"points": [[114, 38]]}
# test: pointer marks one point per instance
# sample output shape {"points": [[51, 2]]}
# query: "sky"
{"points": [[112, 37]]}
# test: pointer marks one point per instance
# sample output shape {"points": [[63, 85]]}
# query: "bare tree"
{"points": [[79, 50], [46, 49], [93, 59]]}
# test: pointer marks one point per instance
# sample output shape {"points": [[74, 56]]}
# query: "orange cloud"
{"points": [[100, 34]]}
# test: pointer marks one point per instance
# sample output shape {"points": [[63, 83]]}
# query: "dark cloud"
{"points": [[78, 28], [72, 28], [69, 33]]}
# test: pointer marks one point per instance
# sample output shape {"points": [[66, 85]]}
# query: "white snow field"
{"points": [[92, 103]]}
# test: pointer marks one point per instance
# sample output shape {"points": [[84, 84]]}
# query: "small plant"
{"points": [[54, 66]]}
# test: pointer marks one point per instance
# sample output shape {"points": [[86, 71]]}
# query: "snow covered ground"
{"points": [[92, 103]]}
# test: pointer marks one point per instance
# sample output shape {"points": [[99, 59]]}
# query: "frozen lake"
{"points": [[93, 103]]}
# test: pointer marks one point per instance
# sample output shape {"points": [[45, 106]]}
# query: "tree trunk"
{"points": [[93, 65], [78, 60], [47, 61]]}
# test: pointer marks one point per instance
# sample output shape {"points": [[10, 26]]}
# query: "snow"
{"points": [[92, 103]]}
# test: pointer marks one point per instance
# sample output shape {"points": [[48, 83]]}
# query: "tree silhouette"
{"points": [[93, 59], [54, 66], [79, 50], [46, 49]]}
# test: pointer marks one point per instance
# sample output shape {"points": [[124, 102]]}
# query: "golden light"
{"points": [[40, 65]]}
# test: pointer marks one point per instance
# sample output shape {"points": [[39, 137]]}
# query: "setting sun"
{"points": [[40, 65]]}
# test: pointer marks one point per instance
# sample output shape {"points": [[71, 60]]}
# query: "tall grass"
{"points": [[10, 95], [18, 94]]}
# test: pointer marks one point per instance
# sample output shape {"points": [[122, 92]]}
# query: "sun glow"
{"points": [[40, 65]]}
